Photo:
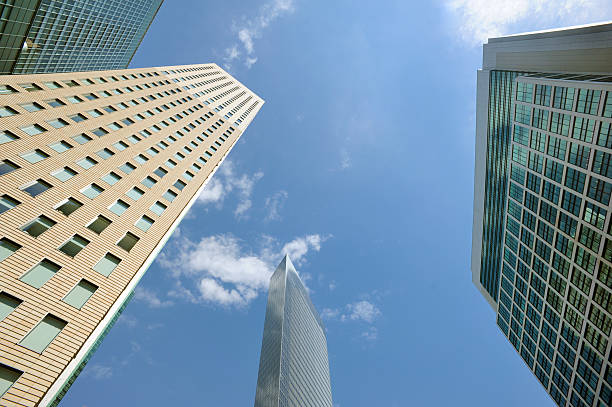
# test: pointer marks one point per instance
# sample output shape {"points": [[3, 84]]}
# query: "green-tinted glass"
{"points": [[43, 334], [79, 295], [40, 274], [107, 264]]}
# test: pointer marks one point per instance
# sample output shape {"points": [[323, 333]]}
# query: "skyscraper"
{"points": [[293, 367], [45, 36], [541, 240], [96, 171]]}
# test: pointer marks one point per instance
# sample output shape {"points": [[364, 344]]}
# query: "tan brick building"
{"points": [[96, 171]]}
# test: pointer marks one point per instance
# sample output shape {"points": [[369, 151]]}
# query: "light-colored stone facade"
{"points": [[197, 111]]}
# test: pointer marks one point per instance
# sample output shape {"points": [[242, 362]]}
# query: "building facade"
{"points": [[96, 171], [542, 239], [293, 367], [45, 36]]}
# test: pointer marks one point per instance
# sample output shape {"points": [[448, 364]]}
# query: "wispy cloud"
{"points": [[150, 298], [345, 159], [249, 29], [362, 310], [479, 20], [219, 270], [98, 372], [274, 204], [227, 181]]}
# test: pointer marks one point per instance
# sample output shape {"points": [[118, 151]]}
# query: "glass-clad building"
{"points": [[293, 368], [542, 236], [46, 36]]}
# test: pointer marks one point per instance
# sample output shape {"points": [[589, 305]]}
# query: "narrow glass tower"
{"points": [[293, 368]]}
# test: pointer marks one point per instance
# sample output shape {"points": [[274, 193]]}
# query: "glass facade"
{"points": [[555, 287], [43, 36], [294, 367]]}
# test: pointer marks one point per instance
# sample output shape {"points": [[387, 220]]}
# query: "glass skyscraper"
{"points": [[46, 36], [293, 368], [542, 237]]}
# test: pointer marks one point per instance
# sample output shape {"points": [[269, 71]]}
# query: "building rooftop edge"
{"points": [[592, 28]]}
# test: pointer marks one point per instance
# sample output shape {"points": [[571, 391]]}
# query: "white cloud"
{"points": [[371, 334], [250, 29], [274, 204], [479, 20], [225, 182], [362, 311], [99, 372], [332, 285], [345, 159], [127, 320], [330, 313], [150, 298], [219, 270]]}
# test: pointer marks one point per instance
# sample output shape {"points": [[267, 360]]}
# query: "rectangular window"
{"points": [[68, 206], [86, 163], [38, 226], [111, 178], [128, 241], [169, 195], [92, 191], [180, 185], [99, 224], [135, 193], [144, 223], [7, 166], [74, 245], [80, 294], [43, 334], [127, 168], [158, 208], [148, 182], [60, 146], [8, 375], [7, 247], [119, 207], [82, 138], [40, 274], [34, 156], [64, 174], [36, 188], [107, 264], [7, 304]]}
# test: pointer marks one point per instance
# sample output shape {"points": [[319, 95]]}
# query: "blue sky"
{"points": [[360, 166]]}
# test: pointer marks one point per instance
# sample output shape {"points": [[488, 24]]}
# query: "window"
{"points": [[82, 138], [7, 247], [68, 206], [158, 208], [148, 182], [94, 113], [119, 207], [80, 294], [74, 99], [160, 172], [100, 132], [120, 145], [40, 274], [7, 304], [57, 123], [74, 245], [71, 83], [144, 223], [52, 85], [128, 241], [33, 130], [43, 334], [77, 118], [55, 102], [127, 168], [38, 226], [34, 156], [31, 107], [7, 136], [6, 90], [133, 139], [8, 375], [7, 166], [141, 159], [111, 178], [179, 185], [64, 174], [6, 203], [170, 164], [189, 176], [30, 87], [36, 188], [92, 191], [107, 264], [99, 224], [60, 146], [152, 151], [169, 195], [6, 111], [135, 193], [113, 126], [105, 153]]}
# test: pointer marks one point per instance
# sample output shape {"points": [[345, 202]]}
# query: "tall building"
{"points": [[45, 36], [96, 171], [293, 367], [541, 240]]}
